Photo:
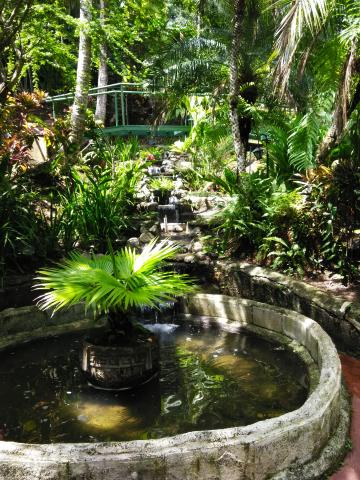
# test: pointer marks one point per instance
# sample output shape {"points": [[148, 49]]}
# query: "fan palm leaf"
{"points": [[117, 281]]}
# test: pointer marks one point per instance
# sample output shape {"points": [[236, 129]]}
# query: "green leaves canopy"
{"points": [[115, 281]]}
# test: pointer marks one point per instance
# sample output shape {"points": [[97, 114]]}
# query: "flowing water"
{"points": [[209, 379]]}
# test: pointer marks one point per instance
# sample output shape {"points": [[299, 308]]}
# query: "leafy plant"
{"points": [[162, 184], [103, 151], [228, 183], [288, 257], [99, 204], [116, 282], [240, 224]]}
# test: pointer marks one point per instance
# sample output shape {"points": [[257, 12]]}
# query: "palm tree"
{"points": [[240, 49], [78, 116], [114, 283], [314, 16], [100, 112], [234, 84]]}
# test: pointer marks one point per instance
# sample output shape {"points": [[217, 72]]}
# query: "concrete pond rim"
{"points": [[300, 444]]}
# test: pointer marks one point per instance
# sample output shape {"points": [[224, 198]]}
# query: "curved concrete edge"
{"points": [[15, 321], [339, 318], [323, 405], [331, 455], [255, 452], [26, 324]]}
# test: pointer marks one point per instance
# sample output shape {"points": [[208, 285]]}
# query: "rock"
{"points": [[179, 184], [146, 237], [197, 247], [196, 231], [133, 242], [150, 206], [180, 193], [183, 165], [189, 258], [200, 256], [155, 229], [145, 191]]}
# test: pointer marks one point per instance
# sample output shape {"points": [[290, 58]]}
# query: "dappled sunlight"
{"points": [[104, 417]]}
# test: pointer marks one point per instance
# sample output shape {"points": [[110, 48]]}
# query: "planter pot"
{"points": [[118, 367]]}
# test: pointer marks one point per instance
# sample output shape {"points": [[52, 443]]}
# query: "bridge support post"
{"points": [[122, 105], [116, 110]]}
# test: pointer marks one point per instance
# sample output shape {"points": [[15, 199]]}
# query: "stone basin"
{"points": [[302, 444]]}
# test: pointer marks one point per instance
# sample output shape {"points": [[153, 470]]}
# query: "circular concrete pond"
{"points": [[301, 444]]}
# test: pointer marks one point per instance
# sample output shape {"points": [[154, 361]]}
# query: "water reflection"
{"points": [[209, 379]]}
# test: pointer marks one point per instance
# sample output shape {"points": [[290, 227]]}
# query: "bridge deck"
{"points": [[146, 130]]}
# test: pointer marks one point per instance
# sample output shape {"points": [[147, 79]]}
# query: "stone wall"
{"points": [[19, 325], [339, 318], [297, 446]]}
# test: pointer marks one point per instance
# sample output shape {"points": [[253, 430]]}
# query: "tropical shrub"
{"points": [[23, 225], [240, 224], [99, 204], [105, 152], [162, 184], [297, 230], [113, 283], [229, 182]]}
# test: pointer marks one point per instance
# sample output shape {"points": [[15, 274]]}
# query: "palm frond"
{"points": [[351, 31], [302, 16], [116, 281]]}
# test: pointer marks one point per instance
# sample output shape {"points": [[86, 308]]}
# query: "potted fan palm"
{"points": [[125, 354]]}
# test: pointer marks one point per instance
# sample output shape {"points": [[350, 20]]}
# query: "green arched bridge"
{"points": [[119, 125]]}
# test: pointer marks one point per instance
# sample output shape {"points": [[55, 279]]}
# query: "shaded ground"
{"points": [[333, 286]]}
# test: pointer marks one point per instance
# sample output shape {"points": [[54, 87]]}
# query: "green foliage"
{"points": [[162, 184], [294, 141], [299, 230], [289, 257], [210, 143], [302, 142], [23, 224], [99, 204], [19, 223], [51, 54], [228, 183], [116, 281], [102, 151], [333, 203], [240, 222]]}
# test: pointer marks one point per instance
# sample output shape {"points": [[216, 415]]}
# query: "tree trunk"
{"points": [[78, 116], [343, 109], [100, 112], [234, 85]]}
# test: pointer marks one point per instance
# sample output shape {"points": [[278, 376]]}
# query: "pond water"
{"points": [[209, 379]]}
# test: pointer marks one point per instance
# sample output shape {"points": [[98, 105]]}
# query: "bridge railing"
{"points": [[118, 91]]}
